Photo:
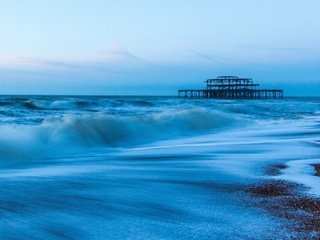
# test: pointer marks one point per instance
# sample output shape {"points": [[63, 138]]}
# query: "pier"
{"points": [[232, 87]]}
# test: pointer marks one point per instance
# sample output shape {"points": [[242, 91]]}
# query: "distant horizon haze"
{"points": [[155, 48]]}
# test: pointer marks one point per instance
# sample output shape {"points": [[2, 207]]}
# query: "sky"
{"points": [[145, 47]]}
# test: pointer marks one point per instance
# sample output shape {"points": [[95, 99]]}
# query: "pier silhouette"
{"points": [[232, 87]]}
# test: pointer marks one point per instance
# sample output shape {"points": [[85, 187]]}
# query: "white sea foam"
{"points": [[302, 172]]}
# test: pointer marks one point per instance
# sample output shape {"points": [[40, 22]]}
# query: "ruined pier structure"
{"points": [[231, 87]]}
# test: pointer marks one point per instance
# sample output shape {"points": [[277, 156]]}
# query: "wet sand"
{"points": [[317, 168], [275, 170], [287, 201]]}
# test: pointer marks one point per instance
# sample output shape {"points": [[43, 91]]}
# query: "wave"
{"points": [[32, 106], [74, 104], [69, 134], [142, 103]]}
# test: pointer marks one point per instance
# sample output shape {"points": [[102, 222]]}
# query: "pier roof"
{"points": [[229, 80]]}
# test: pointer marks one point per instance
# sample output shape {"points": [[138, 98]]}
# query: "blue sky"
{"points": [[156, 47]]}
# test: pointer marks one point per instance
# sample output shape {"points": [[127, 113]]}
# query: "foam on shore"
{"points": [[302, 172]]}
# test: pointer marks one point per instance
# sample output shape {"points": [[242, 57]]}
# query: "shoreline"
{"points": [[287, 201]]}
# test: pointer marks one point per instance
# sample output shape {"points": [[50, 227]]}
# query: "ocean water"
{"points": [[80, 167]]}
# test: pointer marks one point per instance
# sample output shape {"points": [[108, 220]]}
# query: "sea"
{"points": [[143, 167]]}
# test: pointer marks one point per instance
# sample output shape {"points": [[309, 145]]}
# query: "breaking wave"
{"points": [[69, 134]]}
